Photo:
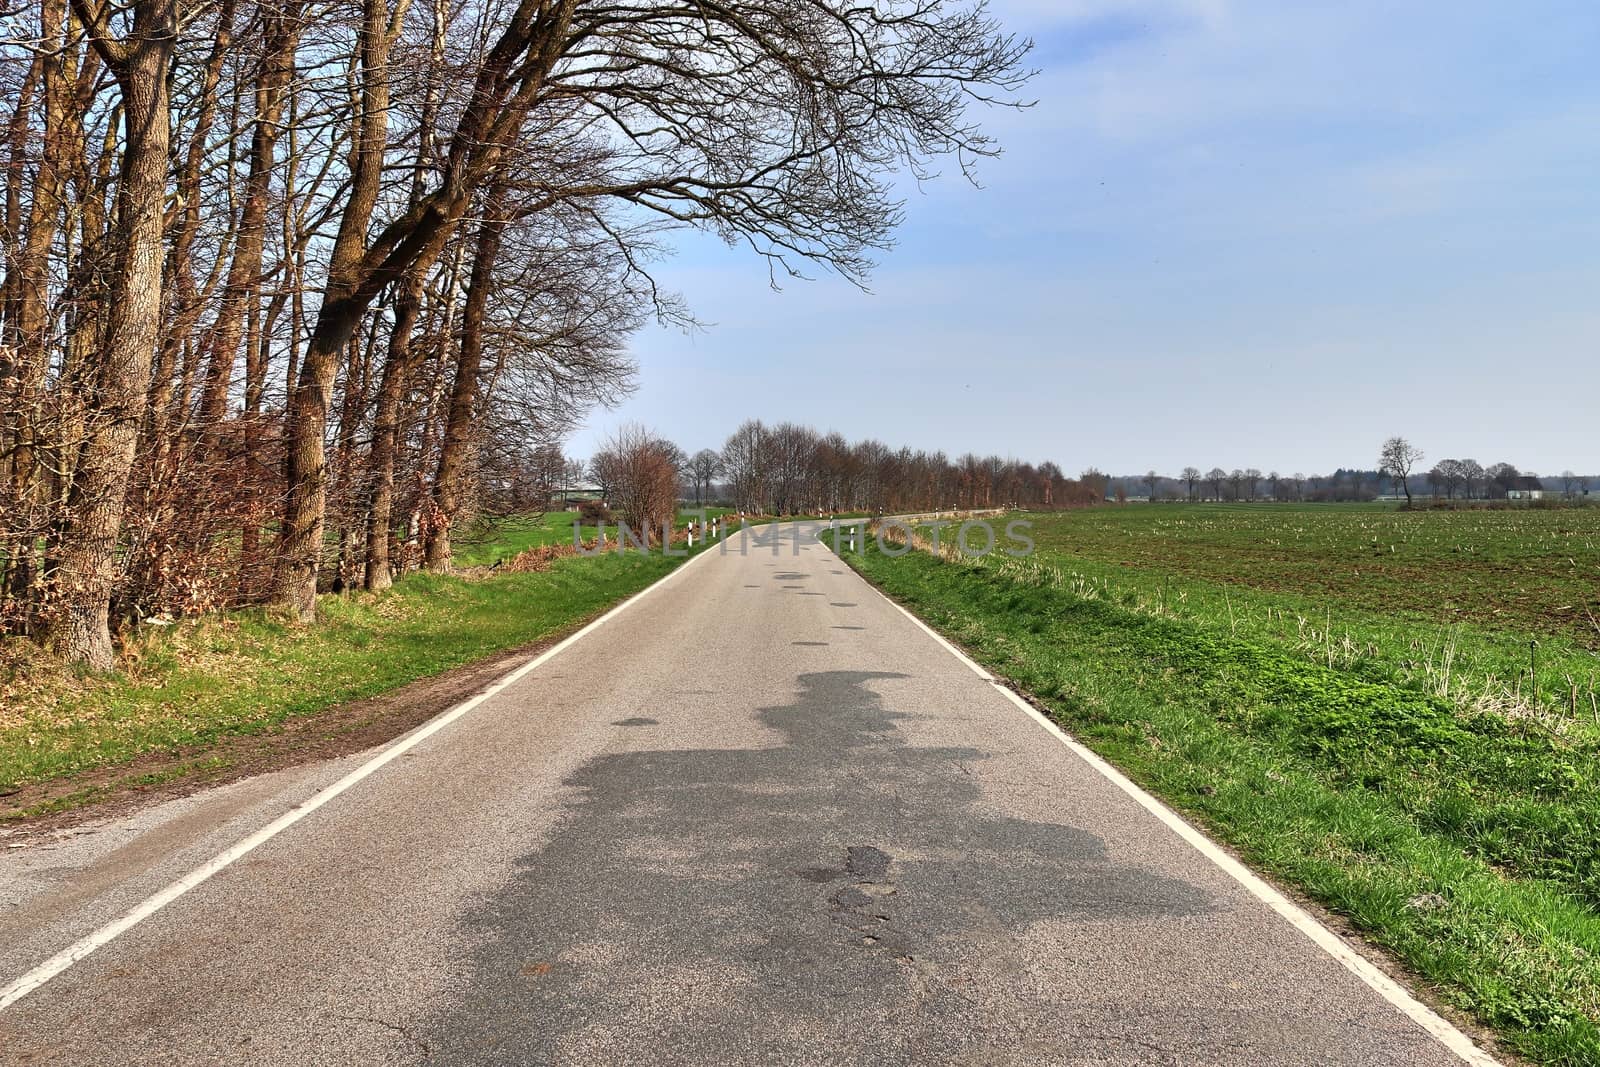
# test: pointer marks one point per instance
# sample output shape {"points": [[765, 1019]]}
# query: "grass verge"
{"points": [[208, 681], [492, 540], [1465, 847]]}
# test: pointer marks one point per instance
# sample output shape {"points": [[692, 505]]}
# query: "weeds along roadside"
{"points": [[1459, 837]]}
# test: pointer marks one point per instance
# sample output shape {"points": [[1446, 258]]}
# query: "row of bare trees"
{"points": [[291, 286], [1249, 484], [1470, 480], [1449, 479], [790, 469]]}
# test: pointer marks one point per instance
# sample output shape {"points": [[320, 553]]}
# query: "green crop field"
{"points": [[1395, 712], [1536, 571], [1490, 608]]}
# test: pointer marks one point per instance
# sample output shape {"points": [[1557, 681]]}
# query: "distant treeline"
{"points": [[786, 469], [1446, 480]]}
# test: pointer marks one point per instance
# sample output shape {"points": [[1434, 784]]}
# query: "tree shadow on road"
{"points": [[841, 897]]}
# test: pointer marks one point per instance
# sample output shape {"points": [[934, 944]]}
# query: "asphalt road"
{"points": [[760, 816]]}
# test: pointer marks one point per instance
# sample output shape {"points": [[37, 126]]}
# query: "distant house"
{"points": [[1525, 487]]}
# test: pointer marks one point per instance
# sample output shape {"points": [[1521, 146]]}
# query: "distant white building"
{"points": [[1525, 488]]}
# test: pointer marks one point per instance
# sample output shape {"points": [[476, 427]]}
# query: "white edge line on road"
{"points": [[1440, 1028], [83, 947]]}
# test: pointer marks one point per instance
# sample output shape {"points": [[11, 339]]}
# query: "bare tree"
{"points": [[1214, 478], [704, 467], [1451, 474], [604, 468], [745, 463], [645, 493], [453, 452], [1191, 478], [1095, 481], [113, 384], [1252, 478], [791, 449], [1396, 459]]}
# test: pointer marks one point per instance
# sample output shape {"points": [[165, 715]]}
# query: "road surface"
{"points": [[758, 816]]}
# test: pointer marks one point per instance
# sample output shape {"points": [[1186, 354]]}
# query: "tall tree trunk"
{"points": [[459, 426], [240, 313], [31, 279], [186, 294], [351, 413], [16, 549], [243, 284], [343, 306], [79, 627], [305, 463], [16, 463], [397, 367]]}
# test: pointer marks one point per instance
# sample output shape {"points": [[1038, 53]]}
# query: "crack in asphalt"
{"points": [[403, 1031]]}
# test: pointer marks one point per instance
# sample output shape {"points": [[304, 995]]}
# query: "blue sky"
{"points": [[1230, 234]]}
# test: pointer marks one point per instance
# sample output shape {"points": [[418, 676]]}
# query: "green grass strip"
{"points": [[246, 673], [1464, 846]]}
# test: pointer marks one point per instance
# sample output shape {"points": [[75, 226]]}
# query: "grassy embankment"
{"points": [[504, 538], [1347, 697], [208, 680]]}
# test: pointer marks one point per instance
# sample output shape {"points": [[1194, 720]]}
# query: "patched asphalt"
{"points": [[759, 817]]}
